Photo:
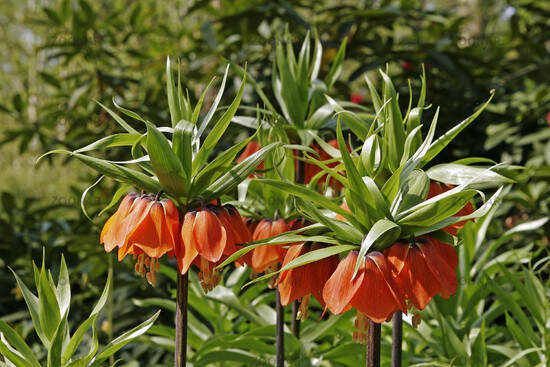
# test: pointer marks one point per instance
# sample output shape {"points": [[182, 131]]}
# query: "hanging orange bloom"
{"points": [[211, 233], [437, 188], [305, 280], [423, 269], [372, 291], [114, 233], [269, 255], [145, 227]]}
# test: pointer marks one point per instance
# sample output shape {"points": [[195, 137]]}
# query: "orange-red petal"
{"points": [[186, 252], [210, 236], [340, 289], [377, 297]]}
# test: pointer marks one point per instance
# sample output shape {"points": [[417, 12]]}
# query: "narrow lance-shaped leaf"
{"points": [[336, 67], [115, 140], [173, 100], [415, 116], [55, 350], [438, 145], [237, 174], [124, 339], [166, 164], [204, 123], [118, 119], [356, 184], [218, 167], [49, 314], [284, 238], [19, 344], [394, 130], [182, 145], [217, 131], [12, 355], [382, 234], [34, 308], [457, 174]]}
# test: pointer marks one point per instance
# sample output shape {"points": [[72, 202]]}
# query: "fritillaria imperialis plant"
{"points": [[179, 212], [396, 228]]}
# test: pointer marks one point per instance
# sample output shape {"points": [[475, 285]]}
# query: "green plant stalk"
{"points": [[397, 339], [373, 344], [180, 353], [110, 308], [280, 330]]}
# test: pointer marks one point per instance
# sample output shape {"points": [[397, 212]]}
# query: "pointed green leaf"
{"points": [[457, 174], [63, 291], [307, 258], [19, 344], [182, 145], [173, 100], [115, 140], [336, 68], [438, 145], [166, 164], [77, 337], [124, 339], [231, 179], [49, 314], [217, 131], [33, 306], [118, 119], [382, 234]]}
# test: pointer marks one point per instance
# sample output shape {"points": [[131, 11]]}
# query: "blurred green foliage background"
{"points": [[58, 57]]}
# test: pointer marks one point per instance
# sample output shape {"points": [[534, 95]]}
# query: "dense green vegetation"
{"points": [[61, 56]]}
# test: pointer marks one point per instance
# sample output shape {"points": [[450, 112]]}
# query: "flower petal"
{"points": [[186, 252], [210, 236], [340, 289], [377, 296]]}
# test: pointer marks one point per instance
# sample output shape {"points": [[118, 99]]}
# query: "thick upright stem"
{"points": [[295, 323], [280, 336], [373, 345], [397, 339], [180, 354]]}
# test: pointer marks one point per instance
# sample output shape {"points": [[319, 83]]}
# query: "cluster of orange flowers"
{"points": [[413, 272], [148, 227]]}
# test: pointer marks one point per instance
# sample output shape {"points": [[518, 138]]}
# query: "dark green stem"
{"points": [[373, 344], [397, 339], [180, 353], [280, 330], [295, 323]]}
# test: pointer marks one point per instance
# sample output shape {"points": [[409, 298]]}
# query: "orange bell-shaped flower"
{"points": [[423, 269], [372, 291], [437, 188], [114, 233], [210, 233], [145, 227], [307, 279], [265, 256]]}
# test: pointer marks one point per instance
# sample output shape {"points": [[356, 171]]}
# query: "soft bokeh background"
{"points": [[59, 56]]}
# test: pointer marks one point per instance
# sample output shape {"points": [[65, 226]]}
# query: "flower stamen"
{"points": [[362, 326]]}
